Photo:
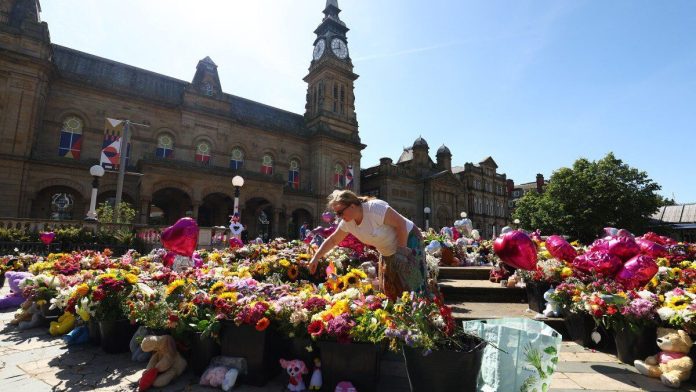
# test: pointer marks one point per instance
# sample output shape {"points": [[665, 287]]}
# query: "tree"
{"points": [[581, 200], [105, 213]]}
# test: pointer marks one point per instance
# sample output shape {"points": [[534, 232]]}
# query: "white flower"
{"points": [[645, 294], [666, 313]]}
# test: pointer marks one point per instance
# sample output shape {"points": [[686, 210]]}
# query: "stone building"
{"points": [[415, 182], [194, 137], [515, 192]]}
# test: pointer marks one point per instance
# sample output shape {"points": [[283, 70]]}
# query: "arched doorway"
{"points": [[299, 217], [215, 210], [59, 203], [168, 206], [257, 216]]}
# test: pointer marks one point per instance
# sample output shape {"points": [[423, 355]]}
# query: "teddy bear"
{"points": [[672, 365], [553, 308], [28, 315], [295, 369], [65, 324], [165, 358], [15, 297]]}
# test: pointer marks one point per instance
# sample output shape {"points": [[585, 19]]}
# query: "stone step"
{"points": [[468, 273], [465, 311], [480, 291]]}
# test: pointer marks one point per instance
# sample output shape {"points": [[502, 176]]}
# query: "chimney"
{"points": [[510, 187], [540, 183]]}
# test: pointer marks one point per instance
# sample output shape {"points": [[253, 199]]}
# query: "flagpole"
{"points": [[122, 165]]}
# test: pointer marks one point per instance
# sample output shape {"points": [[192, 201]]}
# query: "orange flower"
{"points": [[263, 324]]}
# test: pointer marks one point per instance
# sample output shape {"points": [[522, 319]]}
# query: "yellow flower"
{"points": [[173, 286], [293, 272], [82, 290], [382, 315], [339, 308], [678, 302], [229, 295], [284, 263], [360, 273], [131, 278], [566, 272], [217, 288]]}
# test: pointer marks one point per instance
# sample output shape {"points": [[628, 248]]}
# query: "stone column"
{"points": [[144, 211], [276, 221]]}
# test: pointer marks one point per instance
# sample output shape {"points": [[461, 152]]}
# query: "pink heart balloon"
{"points": [[181, 237], [624, 233], [47, 237], [168, 259], [600, 245], [560, 248], [601, 263], [637, 272], [623, 247], [651, 249], [611, 231], [516, 249]]}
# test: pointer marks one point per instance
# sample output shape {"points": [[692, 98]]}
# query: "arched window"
{"points": [[267, 164], [203, 152], [71, 138], [294, 174], [165, 146], [236, 159], [339, 176]]}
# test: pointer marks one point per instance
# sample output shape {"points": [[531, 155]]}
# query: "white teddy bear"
{"points": [[553, 308]]}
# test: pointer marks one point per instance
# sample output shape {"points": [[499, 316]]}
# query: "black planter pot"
{"points": [[261, 350], [116, 335], [94, 334], [50, 314], [203, 349], [581, 326], [535, 295], [635, 344], [355, 362], [444, 370], [2, 280]]}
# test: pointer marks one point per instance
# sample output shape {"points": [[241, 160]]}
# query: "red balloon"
{"points": [[600, 245], [602, 263], [47, 237], [168, 259], [560, 248], [651, 249], [182, 237], [637, 272], [623, 247], [516, 249]]}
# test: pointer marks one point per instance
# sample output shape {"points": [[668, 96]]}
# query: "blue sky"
{"points": [[534, 84]]}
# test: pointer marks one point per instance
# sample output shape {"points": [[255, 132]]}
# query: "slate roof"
{"points": [[683, 213], [113, 76], [407, 155]]}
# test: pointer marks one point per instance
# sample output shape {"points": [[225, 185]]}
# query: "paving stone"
{"points": [[563, 383], [588, 367], [587, 356], [597, 381]]}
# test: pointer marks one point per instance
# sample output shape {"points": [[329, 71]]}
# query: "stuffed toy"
{"points": [[168, 362], [316, 380], [219, 376], [79, 335], [28, 316], [345, 386], [672, 365], [65, 324], [137, 353], [15, 297], [553, 308], [295, 369]]}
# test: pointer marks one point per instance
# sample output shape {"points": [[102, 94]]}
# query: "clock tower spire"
{"points": [[330, 101]]}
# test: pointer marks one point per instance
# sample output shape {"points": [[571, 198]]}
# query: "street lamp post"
{"points": [[517, 223], [426, 211], [96, 171], [237, 182]]}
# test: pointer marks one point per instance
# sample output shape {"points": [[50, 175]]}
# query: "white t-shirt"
{"points": [[372, 230]]}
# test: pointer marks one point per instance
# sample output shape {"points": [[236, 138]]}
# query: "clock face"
{"points": [[319, 49], [339, 48]]}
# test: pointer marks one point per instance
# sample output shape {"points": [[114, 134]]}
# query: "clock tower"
{"points": [[330, 99], [330, 107]]}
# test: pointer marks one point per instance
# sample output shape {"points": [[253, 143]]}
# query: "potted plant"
{"points": [[548, 272], [107, 295], [440, 356]]}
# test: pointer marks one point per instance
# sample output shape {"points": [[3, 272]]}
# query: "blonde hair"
{"points": [[346, 198]]}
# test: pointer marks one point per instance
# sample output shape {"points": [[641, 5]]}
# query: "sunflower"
{"points": [[284, 263], [229, 295], [217, 288], [131, 278], [293, 272], [678, 302], [173, 286], [351, 279]]}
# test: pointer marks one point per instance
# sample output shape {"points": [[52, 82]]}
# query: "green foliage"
{"points": [[581, 200], [106, 213], [17, 235]]}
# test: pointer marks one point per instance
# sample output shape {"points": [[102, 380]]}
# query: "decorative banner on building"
{"points": [[349, 177], [111, 148]]}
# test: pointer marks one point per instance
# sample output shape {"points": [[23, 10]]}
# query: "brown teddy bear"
{"points": [[165, 358], [672, 365]]}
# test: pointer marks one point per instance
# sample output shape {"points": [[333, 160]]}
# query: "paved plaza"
{"points": [[35, 361]]}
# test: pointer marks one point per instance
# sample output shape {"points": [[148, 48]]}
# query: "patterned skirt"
{"points": [[399, 272]]}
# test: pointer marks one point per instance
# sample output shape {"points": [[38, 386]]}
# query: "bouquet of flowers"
{"points": [[109, 292], [678, 308]]}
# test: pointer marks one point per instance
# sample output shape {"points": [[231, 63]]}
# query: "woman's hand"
{"points": [[312, 266]]}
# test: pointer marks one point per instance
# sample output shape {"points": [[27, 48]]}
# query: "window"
{"points": [[267, 164], [70, 143], [207, 89], [342, 100], [339, 176], [294, 174], [203, 153], [165, 147], [236, 159]]}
